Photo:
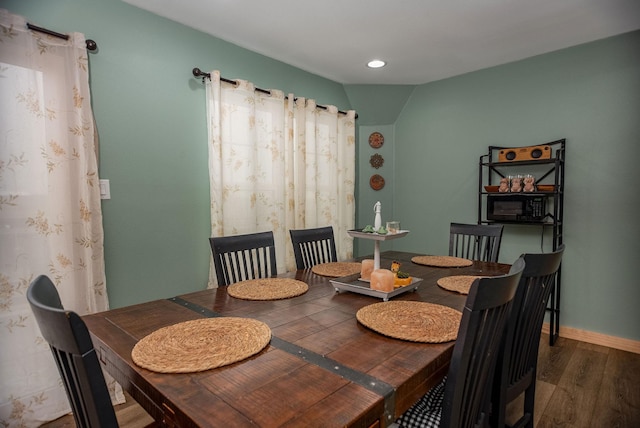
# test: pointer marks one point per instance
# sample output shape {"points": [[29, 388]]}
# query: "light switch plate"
{"points": [[105, 189]]}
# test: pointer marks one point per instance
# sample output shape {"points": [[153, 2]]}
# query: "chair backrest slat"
{"points": [[475, 241], [313, 246], [243, 257]]}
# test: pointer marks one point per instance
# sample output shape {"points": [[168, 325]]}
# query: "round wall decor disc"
{"points": [[376, 140], [376, 161], [376, 182]]}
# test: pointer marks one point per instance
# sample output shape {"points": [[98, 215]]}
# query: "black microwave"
{"points": [[516, 207]]}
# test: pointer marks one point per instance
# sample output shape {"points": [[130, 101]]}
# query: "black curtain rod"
{"points": [[199, 73], [91, 45]]}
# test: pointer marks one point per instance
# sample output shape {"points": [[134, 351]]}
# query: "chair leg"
{"points": [[529, 404], [498, 412], [526, 420]]}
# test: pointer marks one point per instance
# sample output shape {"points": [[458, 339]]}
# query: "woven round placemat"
{"points": [[267, 289], [441, 261], [199, 345], [337, 269], [412, 321], [458, 283]]}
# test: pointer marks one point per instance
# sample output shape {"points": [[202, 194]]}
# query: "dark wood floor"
{"points": [[579, 386], [129, 414], [585, 385]]}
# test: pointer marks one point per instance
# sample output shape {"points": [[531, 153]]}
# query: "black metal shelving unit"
{"points": [[547, 171]]}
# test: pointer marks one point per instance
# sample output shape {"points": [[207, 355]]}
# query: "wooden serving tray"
{"points": [[353, 284], [358, 233]]}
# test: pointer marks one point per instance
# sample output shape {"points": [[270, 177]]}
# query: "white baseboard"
{"points": [[597, 338]]}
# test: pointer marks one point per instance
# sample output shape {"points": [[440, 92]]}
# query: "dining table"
{"points": [[321, 367]]}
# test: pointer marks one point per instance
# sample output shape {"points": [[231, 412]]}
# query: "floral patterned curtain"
{"points": [[278, 163], [50, 213]]}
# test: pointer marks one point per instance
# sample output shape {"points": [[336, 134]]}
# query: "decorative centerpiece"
{"points": [[381, 283], [401, 278], [377, 232]]}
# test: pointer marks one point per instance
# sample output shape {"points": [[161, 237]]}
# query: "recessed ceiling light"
{"points": [[376, 63]]}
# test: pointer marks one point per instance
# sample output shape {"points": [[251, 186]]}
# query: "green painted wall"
{"points": [[590, 95], [367, 197], [151, 118], [378, 104], [150, 114]]}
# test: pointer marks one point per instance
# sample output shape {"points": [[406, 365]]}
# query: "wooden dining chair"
{"points": [[475, 241], [313, 246], [75, 356], [462, 399], [518, 357], [243, 257]]}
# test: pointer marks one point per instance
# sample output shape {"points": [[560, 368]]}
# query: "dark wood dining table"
{"points": [[321, 368]]}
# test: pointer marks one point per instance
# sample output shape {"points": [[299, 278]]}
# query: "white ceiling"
{"points": [[421, 40]]}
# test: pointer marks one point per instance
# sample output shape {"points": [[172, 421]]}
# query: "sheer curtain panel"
{"points": [[50, 214], [278, 163]]}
